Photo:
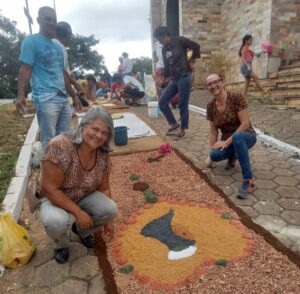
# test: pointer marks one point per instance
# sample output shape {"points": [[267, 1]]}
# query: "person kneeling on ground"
{"points": [[74, 182], [88, 88], [116, 87], [228, 112], [133, 89]]}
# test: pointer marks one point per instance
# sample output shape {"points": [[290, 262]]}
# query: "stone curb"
{"points": [[13, 201], [278, 144]]}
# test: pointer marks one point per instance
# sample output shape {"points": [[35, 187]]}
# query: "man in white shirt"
{"points": [[159, 67], [127, 65], [63, 38], [133, 89]]}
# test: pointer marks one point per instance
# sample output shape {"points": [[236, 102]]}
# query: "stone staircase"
{"points": [[284, 85]]}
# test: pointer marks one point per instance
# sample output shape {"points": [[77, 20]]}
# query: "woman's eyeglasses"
{"points": [[213, 83]]}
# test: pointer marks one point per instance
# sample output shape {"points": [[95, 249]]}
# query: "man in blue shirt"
{"points": [[43, 63]]}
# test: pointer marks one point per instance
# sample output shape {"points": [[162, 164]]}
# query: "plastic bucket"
{"points": [[121, 137], [153, 109]]}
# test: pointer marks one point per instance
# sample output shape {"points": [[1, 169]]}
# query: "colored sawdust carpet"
{"points": [[169, 243], [190, 220]]}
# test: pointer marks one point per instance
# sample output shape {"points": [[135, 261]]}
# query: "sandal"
{"points": [[170, 130], [179, 135]]}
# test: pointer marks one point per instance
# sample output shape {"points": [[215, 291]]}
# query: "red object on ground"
{"points": [[165, 148]]}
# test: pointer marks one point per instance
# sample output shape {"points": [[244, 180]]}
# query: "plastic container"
{"points": [[153, 109], [121, 137]]}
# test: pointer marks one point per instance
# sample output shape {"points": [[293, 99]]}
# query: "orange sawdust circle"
{"points": [[216, 238]]}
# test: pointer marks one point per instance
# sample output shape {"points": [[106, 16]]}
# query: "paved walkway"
{"points": [[80, 275], [277, 121], [275, 205]]}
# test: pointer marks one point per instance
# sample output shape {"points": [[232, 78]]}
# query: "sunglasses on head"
{"points": [[213, 83]]}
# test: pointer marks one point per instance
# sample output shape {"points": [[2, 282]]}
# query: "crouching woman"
{"points": [[228, 112], [74, 183]]}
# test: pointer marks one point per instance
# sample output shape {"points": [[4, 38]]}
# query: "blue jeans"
{"points": [[183, 85], [54, 117], [101, 92], [241, 143]]}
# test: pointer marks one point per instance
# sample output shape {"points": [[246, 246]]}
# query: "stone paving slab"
{"points": [[280, 123], [275, 203], [81, 274]]}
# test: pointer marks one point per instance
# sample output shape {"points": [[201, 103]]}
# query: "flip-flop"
{"points": [[178, 136], [172, 129]]}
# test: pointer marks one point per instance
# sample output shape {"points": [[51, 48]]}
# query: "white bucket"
{"points": [[153, 109]]}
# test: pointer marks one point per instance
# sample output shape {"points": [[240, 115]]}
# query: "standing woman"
{"points": [[246, 55], [228, 113], [179, 68]]}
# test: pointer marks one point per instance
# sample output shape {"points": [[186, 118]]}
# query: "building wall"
{"points": [[285, 27], [219, 26], [241, 17], [201, 22]]}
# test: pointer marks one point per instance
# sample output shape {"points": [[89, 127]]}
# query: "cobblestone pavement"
{"points": [[81, 275], [279, 122], [275, 204]]}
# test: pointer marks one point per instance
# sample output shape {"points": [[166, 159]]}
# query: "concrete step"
{"points": [[277, 93], [293, 101], [291, 64], [288, 79], [289, 85], [289, 72]]}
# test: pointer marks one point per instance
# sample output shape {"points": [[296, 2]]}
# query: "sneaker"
{"points": [[61, 255], [209, 162], [231, 163], [89, 241], [247, 188]]}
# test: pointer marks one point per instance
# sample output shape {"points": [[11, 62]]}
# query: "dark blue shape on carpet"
{"points": [[161, 230]]}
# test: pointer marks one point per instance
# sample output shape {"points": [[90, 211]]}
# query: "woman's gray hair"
{"points": [[95, 113]]}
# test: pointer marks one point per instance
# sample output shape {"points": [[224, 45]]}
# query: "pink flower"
{"points": [[165, 148]]}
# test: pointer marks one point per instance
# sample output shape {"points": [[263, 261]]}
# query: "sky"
{"points": [[120, 25]]}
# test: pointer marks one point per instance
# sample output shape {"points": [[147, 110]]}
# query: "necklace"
{"points": [[87, 164]]}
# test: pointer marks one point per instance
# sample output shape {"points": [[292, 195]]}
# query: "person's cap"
{"points": [[63, 30]]}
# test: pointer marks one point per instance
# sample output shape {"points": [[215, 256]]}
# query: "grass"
{"points": [[13, 130]]}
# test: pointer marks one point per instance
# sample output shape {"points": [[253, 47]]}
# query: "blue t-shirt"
{"points": [[47, 61]]}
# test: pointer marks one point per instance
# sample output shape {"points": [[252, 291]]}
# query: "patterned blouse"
{"points": [[77, 182], [228, 120]]}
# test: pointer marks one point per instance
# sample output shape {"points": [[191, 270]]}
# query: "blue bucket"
{"points": [[121, 137]]}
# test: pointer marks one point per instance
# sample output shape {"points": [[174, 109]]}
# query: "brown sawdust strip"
{"points": [[266, 271]]}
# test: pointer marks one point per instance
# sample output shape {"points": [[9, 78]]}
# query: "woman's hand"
{"points": [[221, 145], [108, 231], [249, 66], [84, 220]]}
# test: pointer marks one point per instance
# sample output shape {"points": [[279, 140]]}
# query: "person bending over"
{"points": [[74, 183], [88, 88], [228, 113]]}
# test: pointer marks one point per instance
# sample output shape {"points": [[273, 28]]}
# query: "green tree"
{"points": [[10, 43], [83, 57], [142, 64]]}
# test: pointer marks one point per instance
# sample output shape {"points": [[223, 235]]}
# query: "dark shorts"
{"points": [[134, 92], [244, 70]]}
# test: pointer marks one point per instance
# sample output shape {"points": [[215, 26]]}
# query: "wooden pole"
{"points": [[54, 6], [26, 10]]}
